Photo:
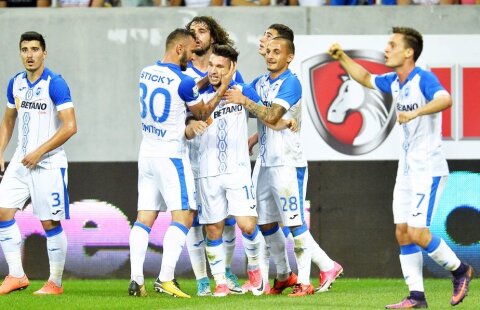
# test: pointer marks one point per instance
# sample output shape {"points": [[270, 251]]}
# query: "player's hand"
{"points": [[252, 141], [335, 51], [227, 78], [234, 95], [31, 160], [293, 125], [199, 127], [195, 128], [405, 117]]}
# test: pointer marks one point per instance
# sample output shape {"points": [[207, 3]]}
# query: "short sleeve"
{"points": [[188, 91], [289, 93], [430, 85], [10, 98], [383, 82], [60, 93]]}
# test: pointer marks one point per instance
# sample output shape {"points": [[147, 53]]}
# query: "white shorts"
{"points": [[281, 194], [415, 199], [165, 184], [46, 187], [224, 195]]}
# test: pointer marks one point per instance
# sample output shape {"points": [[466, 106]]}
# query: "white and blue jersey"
{"points": [[283, 147], [421, 139], [37, 106], [194, 143], [164, 92], [223, 147]]}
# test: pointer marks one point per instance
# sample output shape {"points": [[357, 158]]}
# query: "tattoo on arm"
{"points": [[265, 114]]}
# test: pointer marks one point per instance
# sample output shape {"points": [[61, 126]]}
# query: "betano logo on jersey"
{"points": [[227, 110], [33, 105], [350, 118]]}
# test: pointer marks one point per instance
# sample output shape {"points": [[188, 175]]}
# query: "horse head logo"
{"points": [[350, 118], [354, 97]]}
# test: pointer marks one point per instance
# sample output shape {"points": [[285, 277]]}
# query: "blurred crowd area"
{"points": [[205, 3]]}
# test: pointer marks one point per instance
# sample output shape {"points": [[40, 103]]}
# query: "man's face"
{"points": [[217, 67], [267, 36], [204, 40], [32, 55], [188, 46], [396, 52], [277, 56]]}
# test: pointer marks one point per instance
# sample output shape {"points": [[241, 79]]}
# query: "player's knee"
{"points": [[419, 236]]}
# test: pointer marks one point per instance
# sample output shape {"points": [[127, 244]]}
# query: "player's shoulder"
{"points": [[52, 76], [425, 74], [18, 77]]}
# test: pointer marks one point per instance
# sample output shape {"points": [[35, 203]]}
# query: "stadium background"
{"points": [[100, 53]]}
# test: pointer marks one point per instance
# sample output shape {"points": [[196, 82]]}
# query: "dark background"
{"points": [[351, 215]]}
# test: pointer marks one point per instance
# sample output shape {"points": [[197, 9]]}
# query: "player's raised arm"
{"points": [[355, 70]]}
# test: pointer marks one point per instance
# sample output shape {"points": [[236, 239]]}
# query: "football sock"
{"points": [[216, 259], [411, 261], [288, 234], [57, 252], [442, 254], [251, 244], [229, 240], [138, 249], [303, 253], [196, 251], [319, 257], [264, 259], [275, 239], [11, 242], [173, 243]]}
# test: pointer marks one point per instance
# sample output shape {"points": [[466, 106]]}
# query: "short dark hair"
{"points": [[412, 38], [219, 35], [32, 36], [178, 34], [288, 42], [283, 31], [226, 51]]}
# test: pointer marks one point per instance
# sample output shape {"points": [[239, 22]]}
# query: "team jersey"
{"points": [[194, 144], [223, 147], [421, 139], [280, 147], [164, 91], [37, 106]]}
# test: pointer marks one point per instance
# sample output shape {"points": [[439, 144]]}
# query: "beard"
{"points": [[202, 50], [183, 61]]}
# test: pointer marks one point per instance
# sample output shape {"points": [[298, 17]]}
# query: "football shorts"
{"points": [[46, 187], [165, 184]]}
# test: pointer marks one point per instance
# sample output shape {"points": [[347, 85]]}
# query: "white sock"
{"points": [[442, 254], [11, 242], [216, 259], [57, 252], [319, 257], [251, 244], [138, 249], [303, 254], [196, 251], [276, 242], [411, 261], [173, 243], [264, 259], [229, 237]]}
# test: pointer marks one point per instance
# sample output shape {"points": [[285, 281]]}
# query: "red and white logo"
{"points": [[350, 118]]}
